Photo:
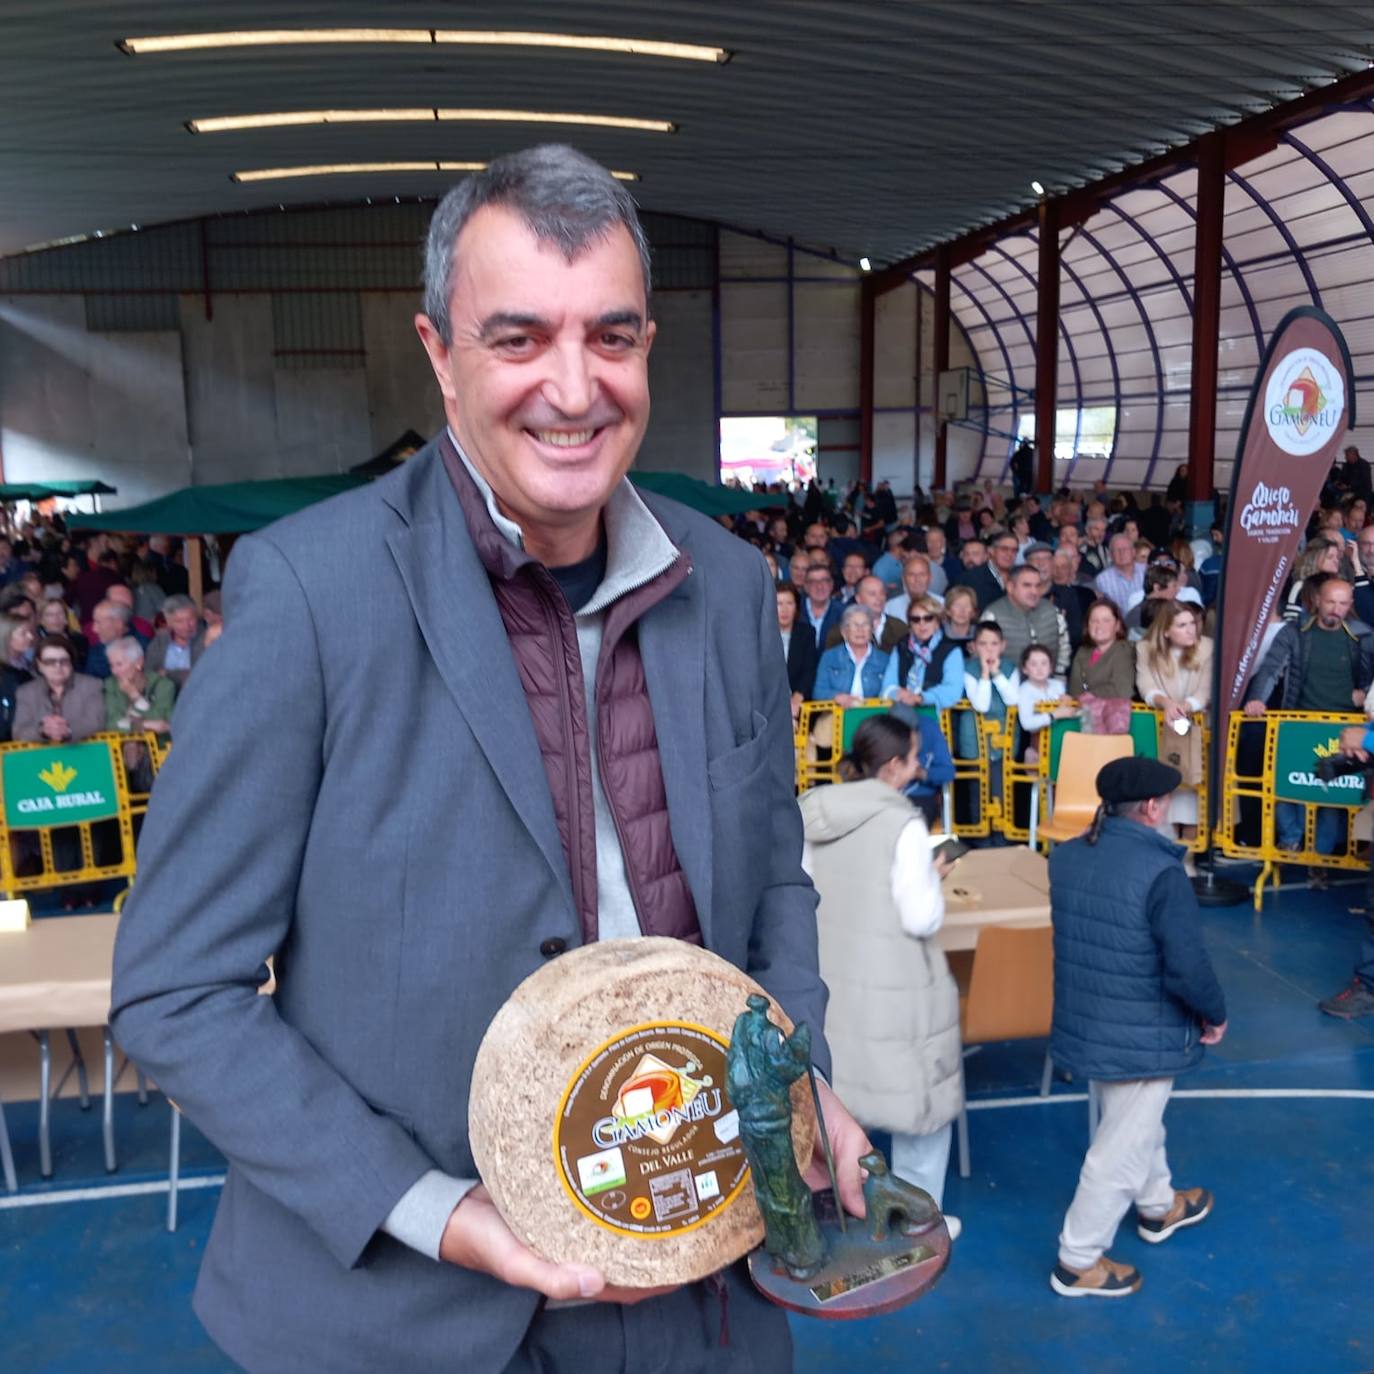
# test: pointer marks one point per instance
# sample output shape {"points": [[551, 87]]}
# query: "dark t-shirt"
{"points": [[1328, 683], [579, 581]]}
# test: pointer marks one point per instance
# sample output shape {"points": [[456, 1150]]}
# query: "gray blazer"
{"points": [[358, 784], [83, 707]]}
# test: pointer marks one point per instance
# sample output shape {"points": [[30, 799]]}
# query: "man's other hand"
{"points": [[1254, 708], [847, 1143], [477, 1237], [1211, 1035]]}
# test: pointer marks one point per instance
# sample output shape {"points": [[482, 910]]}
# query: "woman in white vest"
{"points": [[893, 1017]]}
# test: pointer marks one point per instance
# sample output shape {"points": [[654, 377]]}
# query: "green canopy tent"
{"points": [[225, 508], [41, 491], [706, 497]]}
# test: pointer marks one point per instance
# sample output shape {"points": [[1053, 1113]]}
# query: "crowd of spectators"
{"points": [[1073, 606], [97, 633]]}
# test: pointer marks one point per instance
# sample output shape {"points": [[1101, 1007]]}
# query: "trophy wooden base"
{"points": [[860, 1277]]}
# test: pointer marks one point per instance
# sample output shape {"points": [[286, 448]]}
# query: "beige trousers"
{"points": [[1125, 1164]]}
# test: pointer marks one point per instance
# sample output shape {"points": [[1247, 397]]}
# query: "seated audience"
{"points": [[60, 704], [819, 609], [961, 614], [853, 670], [177, 649], [136, 699], [888, 631], [1026, 617], [927, 669], [1037, 685], [1124, 576], [915, 583], [16, 645], [1105, 662], [1174, 675], [110, 622], [798, 647]]}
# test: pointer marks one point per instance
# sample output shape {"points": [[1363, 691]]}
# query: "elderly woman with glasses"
{"points": [[927, 668], [61, 704], [853, 670]]}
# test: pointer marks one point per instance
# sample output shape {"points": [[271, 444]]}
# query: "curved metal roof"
{"points": [[873, 128], [1298, 230]]}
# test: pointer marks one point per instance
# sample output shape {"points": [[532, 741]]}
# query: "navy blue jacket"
{"points": [[1132, 980]]}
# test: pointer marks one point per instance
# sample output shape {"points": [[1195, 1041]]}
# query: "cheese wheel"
{"points": [[599, 1118]]}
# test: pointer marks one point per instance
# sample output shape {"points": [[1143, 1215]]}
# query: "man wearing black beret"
{"points": [[1135, 1000]]}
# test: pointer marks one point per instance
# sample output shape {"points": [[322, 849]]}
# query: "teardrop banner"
{"points": [[1300, 408]]}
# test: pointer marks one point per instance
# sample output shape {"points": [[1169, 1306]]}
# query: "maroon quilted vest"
{"points": [[543, 639]]}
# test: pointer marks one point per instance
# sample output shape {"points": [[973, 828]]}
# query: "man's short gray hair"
{"points": [[563, 196], [178, 602], [127, 648], [853, 612]]}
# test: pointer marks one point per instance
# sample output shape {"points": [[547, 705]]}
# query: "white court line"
{"points": [[113, 1190], [993, 1104], [1355, 1094]]}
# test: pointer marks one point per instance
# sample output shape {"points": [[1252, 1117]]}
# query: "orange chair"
{"points": [[1010, 997], [1081, 758]]}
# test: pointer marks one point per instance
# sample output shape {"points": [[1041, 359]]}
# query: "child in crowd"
{"points": [[1037, 684]]}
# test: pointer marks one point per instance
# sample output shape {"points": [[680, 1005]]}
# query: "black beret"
{"points": [[1136, 779]]}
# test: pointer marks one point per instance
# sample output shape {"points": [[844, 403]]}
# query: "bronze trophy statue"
{"points": [[812, 1261]]}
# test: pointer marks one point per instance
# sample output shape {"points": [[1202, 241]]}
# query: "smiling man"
{"points": [[486, 709]]}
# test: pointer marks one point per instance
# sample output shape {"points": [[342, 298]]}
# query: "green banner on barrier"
{"points": [[1301, 744], [63, 785]]}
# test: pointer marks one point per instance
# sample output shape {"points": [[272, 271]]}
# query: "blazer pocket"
{"points": [[739, 764]]}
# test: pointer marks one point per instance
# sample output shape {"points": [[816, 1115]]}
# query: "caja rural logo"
{"points": [[1304, 403]]}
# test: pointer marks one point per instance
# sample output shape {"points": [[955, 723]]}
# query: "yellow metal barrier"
{"points": [[138, 780], [1251, 777], [1147, 726], [59, 855]]}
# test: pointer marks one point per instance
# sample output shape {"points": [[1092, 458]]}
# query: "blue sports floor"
{"points": [[1279, 1123]]}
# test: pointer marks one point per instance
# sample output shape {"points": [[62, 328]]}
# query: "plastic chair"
{"points": [[1081, 758], [1010, 997]]}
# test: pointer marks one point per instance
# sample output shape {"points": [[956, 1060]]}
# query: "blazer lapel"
{"points": [[462, 628], [672, 645]]}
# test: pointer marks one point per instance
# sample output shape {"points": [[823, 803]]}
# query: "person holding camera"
{"points": [[1357, 997]]}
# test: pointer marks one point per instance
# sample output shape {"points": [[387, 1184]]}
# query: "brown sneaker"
{"points": [[1108, 1278], [1190, 1207]]}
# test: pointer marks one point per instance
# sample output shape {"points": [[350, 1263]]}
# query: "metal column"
{"points": [[868, 298], [1202, 395], [940, 362], [1047, 345]]}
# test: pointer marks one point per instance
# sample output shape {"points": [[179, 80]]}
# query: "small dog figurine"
{"points": [[891, 1201]]}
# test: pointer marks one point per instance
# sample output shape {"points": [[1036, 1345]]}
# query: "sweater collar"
{"points": [[637, 547]]}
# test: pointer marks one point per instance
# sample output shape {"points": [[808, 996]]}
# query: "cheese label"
{"points": [[646, 1142]]}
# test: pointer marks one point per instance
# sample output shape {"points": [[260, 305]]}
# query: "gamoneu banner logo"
{"points": [[1304, 402]]}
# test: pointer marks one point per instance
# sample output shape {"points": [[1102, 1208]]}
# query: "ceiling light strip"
{"points": [[297, 118], [274, 38], [332, 169], [635, 47]]}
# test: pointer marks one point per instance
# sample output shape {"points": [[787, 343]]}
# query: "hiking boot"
{"points": [[1190, 1206], [1356, 1000], [1108, 1278]]}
